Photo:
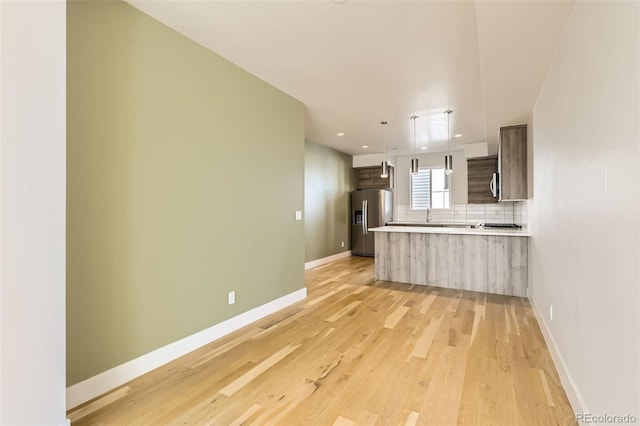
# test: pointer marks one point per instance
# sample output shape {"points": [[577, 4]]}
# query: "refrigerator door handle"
{"points": [[364, 215], [365, 219]]}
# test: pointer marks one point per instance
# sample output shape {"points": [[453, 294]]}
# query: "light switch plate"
{"points": [[298, 215]]}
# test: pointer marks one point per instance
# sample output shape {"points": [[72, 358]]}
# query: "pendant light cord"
{"points": [[448, 134], [385, 161], [413, 117], [448, 158], [448, 112], [414, 135], [384, 138], [414, 161]]}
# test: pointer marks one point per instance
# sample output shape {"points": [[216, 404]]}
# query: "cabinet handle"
{"points": [[492, 185]]}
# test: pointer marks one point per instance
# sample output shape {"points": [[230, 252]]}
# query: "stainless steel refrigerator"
{"points": [[369, 208]]}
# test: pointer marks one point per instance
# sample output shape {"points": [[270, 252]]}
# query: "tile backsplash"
{"points": [[467, 213], [521, 212]]}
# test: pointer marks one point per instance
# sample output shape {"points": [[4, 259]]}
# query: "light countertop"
{"points": [[452, 230]]}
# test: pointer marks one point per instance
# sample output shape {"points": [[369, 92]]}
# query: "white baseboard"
{"points": [[67, 422], [328, 259], [110, 379], [575, 399]]}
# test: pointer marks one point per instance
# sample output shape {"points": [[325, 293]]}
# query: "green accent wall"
{"points": [[184, 175], [328, 181]]}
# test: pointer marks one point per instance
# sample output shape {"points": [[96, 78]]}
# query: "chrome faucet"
{"points": [[428, 214]]}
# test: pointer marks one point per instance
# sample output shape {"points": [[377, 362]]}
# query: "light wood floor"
{"points": [[360, 352]]}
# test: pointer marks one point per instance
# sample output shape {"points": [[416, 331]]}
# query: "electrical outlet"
{"points": [[298, 215], [232, 297], [550, 312], [342, 244]]}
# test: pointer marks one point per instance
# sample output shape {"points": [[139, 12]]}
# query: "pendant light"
{"points": [[448, 159], [414, 161], [385, 163]]}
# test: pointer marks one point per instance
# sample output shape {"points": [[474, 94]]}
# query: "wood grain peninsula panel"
{"points": [[486, 263]]}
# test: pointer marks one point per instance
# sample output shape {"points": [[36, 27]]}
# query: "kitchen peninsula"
{"points": [[486, 260]]}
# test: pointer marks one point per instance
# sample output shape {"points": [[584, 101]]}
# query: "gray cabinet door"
{"points": [[512, 163], [480, 171]]}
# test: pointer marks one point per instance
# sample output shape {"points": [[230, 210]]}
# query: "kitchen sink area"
{"points": [[457, 225], [437, 224]]}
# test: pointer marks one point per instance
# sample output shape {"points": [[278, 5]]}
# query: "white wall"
{"points": [[369, 160], [32, 213], [584, 214], [474, 150], [458, 179]]}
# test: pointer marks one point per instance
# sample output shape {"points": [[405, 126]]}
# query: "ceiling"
{"points": [[356, 63]]}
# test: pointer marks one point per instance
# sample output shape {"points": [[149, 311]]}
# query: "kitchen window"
{"points": [[430, 189]]}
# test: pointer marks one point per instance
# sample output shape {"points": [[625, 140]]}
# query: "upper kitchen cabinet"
{"points": [[480, 172], [512, 163], [369, 178]]}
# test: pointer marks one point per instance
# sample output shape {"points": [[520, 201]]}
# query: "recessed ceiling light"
{"points": [[340, 134], [365, 146], [424, 147], [457, 135]]}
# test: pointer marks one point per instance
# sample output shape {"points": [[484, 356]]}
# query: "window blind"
{"points": [[430, 189], [421, 189]]}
